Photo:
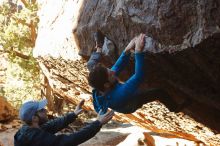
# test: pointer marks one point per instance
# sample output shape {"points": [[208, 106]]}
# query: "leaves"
{"points": [[17, 39]]}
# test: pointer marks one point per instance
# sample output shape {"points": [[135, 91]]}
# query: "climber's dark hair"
{"points": [[98, 76]]}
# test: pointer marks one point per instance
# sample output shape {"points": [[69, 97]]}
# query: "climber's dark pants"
{"points": [[149, 95]]}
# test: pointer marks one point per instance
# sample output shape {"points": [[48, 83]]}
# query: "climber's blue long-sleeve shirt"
{"points": [[118, 98]]}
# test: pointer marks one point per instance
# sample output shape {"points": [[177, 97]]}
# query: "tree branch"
{"points": [[17, 54], [21, 55], [32, 28], [25, 3]]}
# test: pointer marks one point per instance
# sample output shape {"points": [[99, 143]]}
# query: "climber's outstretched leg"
{"points": [[96, 55]]}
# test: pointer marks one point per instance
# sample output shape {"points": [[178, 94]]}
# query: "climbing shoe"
{"points": [[99, 38]]}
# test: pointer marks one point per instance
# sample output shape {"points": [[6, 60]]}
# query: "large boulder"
{"points": [[175, 24], [7, 112], [186, 62]]}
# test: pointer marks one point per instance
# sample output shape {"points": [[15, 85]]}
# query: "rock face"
{"points": [[59, 18], [175, 24], [7, 112], [186, 63]]}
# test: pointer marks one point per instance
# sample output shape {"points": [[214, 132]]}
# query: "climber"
{"points": [[38, 131], [126, 97]]}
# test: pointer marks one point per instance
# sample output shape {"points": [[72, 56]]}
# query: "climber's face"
{"points": [[112, 80], [111, 76]]}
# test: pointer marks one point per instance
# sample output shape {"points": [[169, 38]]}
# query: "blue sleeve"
{"points": [[58, 124], [93, 60], [99, 103], [133, 82], [120, 63]]}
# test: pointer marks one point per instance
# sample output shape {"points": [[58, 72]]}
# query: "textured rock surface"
{"points": [[7, 112], [175, 24], [57, 19], [189, 29]]}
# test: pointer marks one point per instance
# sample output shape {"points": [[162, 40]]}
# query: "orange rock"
{"points": [[7, 112]]}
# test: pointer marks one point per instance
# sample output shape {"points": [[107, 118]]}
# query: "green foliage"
{"points": [[17, 38]]}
